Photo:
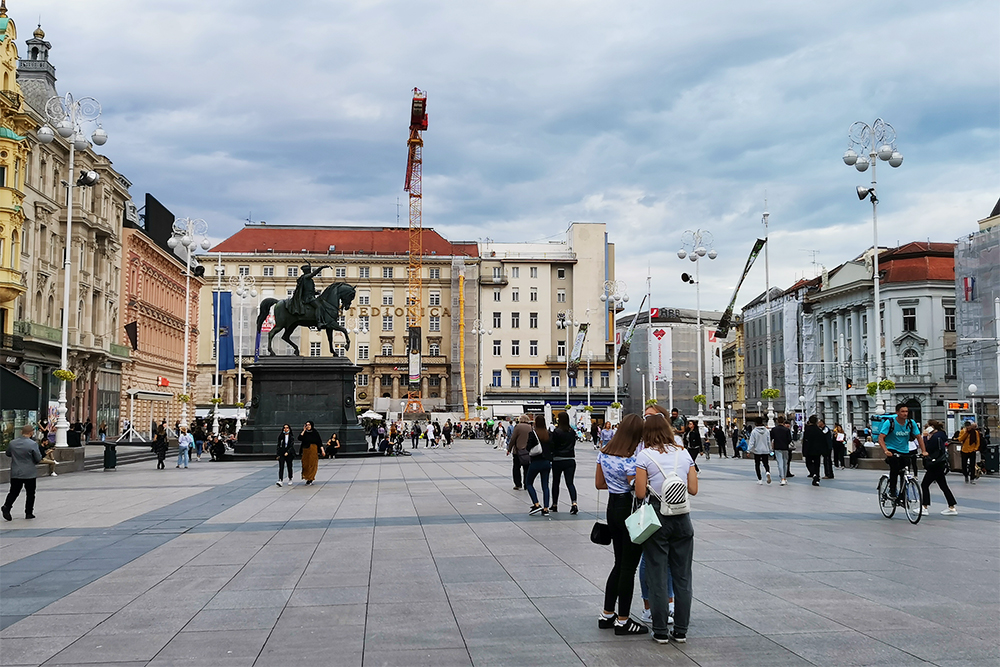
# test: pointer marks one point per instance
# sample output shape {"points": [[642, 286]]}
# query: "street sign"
{"points": [[958, 406]]}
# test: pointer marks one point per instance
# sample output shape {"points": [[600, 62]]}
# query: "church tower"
{"points": [[36, 74]]}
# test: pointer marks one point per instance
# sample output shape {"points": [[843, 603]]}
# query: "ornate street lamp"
{"points": [[186, 232], [696, 245]]}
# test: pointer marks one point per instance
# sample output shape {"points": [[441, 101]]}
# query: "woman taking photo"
{"points": [[311, 442], [671, 548], [615, 472], [541, 463], [563, 461]]}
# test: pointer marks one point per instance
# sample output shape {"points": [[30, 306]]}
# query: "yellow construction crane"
{"points": [[414, 269]]}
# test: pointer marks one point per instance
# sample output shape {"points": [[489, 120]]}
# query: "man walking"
{"points": [[24, 456], [781, 442], [517, 449], [828, 451]]}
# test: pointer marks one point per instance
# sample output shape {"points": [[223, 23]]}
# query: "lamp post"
{"points": [[696, 245], [972, 394], [354, 325], [589, 380], [217, 382], [183, 232], [878, 141], [477, 330], [564, 321], [244, 287], [744, 414], [67, 115], [614, 294], [767, 311], [642, 377]]}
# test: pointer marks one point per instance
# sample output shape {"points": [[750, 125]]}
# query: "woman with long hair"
{"points": [[670, 550], [563, 461], [935, 453], [615, 472], [692, 440], [311, 442], [539, 449], [813, 445]]}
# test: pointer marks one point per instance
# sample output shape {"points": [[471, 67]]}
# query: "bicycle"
{"points": [[907, 496], [491, 440]]}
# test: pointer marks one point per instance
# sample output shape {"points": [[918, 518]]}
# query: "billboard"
{"points": [[413, 352], [660, 354], [577, 354]]}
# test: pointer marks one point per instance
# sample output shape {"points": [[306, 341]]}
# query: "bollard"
{"points": [[110, 456]]}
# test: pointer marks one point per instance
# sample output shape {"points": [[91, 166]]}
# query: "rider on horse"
{"points": [[304, 302]]}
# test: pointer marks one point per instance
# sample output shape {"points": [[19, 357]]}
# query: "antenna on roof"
{"points": [[815, 264], [397, 211]]}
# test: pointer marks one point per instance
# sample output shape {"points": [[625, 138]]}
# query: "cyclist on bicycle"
{"points": [[894, 437]]}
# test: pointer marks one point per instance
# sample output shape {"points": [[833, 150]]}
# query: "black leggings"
{"points": [[567, 468], [937, 474], [621, 580], [897, 470], [282, 462], [761, 458], [969, 465]]}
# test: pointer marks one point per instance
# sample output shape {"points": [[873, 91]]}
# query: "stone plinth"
{"points": [[294, 390]]}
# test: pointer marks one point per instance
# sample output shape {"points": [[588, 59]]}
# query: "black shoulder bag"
{"points": [[601, 532]]}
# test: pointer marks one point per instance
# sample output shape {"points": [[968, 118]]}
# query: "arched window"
{"points": [[34, 53], [51, 312], [15, 251], [911, 363]]}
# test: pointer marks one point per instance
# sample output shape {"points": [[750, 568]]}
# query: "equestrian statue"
{"points": [[305, 308]]}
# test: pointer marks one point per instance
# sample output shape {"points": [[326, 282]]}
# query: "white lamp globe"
{"points": [[45, 134], [253, 293], [205, 245], [625, 298], [99, 137], [604, 297], [861, 164], [172, 242], [885, 152], [187, 240], [681, 254], [896, 159], [80, 142], [693, 257], [712, 254], [973, 389], [701, 251], [65, 129], [850, 157]]}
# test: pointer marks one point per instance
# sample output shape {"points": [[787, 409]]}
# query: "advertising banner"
{"points": [[660, 354], [577, 354], [222, 305], [413, 351]]}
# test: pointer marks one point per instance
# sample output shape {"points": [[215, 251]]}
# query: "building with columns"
{"points": [[918, 341], [374, 260], [96, 354]]}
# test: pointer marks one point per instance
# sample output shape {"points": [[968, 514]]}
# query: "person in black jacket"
{"points": [[692, 442], [563, 460], [814, 444], [539, 448], [309, 452], [720, 440], [935, 453], [828, 450], [286, 454], [160, 446]]}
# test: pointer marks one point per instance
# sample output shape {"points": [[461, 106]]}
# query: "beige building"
{"points": [[96, 354], [374, 260], [523, 289]]}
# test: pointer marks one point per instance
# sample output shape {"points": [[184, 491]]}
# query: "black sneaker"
{"points": [[605, 623], [661, 639], [545, 512], [6, 513], [535, 509], [29, 516], [554, 508], [679, 637], [574, 509], [630, 627]]}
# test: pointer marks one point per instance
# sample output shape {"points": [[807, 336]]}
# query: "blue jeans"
{"points": [[644, 587], [199, 446], [182, 456], [539, 467]]}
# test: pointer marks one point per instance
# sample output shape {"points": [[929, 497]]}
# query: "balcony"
{"points": [[38, 331], [495, 280], [10, 284]]}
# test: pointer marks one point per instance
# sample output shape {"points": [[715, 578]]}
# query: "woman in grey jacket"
{"points": [[759, 445]]}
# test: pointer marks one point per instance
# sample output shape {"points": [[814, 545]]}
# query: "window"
{"points": [[555, 378], [339, 350], [387, 323], [496, 379], [363, 380], [560, 348], [949, 318], [434, 298], [497, 273], [435, 274], [950, 364], [364, 272], [588, 380], [571, 382], [515, 320], [386, 298], [342, 321], [362, 352], [533, 379], [268, 271], [340, 272], [293, 272], [532, 320], [363, 323], [605, 379], [386, 349], [911, 364], [244, 270], [561, 274], [364, 298], [496, 348], [434, 323], [533, 296], [221, 270], [515, 378], [386, 272], [386, 380], [496, 295], [534, 271], [561, 296], [515, 272], [315, 349], [496, 320], [515, 348], [434, 381], [909, 319], [515, 294], [434, 349]]}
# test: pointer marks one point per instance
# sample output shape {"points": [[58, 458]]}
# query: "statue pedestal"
{"points": [[293, 390]]}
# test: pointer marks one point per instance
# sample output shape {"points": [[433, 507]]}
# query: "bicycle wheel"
{"points": [[886, 502], [912, 500]]}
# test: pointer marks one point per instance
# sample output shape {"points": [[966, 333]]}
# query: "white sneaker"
{"points": [[951, 511], [289, 482], [768, 477], [279, 483], [670, 620], [53, 474], [784, 483], [760, 483], [647, 616]]}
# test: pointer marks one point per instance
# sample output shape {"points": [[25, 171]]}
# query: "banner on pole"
{"points": [[726, 321], [660, 354], [222, 303], [574, 358]]}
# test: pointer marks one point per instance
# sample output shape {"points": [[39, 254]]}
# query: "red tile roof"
{"points": [[918, 261], [286, 239]]}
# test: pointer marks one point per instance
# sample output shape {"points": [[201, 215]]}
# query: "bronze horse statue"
{"points": [[337, 297]]}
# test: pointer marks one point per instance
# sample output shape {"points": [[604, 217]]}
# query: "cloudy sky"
{"points": [[654, 117]]}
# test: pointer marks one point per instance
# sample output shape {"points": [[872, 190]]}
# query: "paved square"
{"points": [[433, 560]]}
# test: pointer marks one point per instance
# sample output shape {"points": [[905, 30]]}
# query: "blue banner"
{"points": [[224, 316]]}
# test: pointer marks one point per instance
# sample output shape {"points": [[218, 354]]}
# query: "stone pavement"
{"points": [[432, 560]]}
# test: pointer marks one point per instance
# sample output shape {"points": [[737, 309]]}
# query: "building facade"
{"points": [[977, 287], [374, 260], [755, 316], [918, 334], [524, 287], [734, 393], [95, 352]]}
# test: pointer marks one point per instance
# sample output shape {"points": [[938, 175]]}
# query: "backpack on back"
{"points": [[673, 495]]}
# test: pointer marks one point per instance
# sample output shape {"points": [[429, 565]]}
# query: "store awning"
{"points": [[224, 413], [149, 395], [506, 410], [16, 393]]}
